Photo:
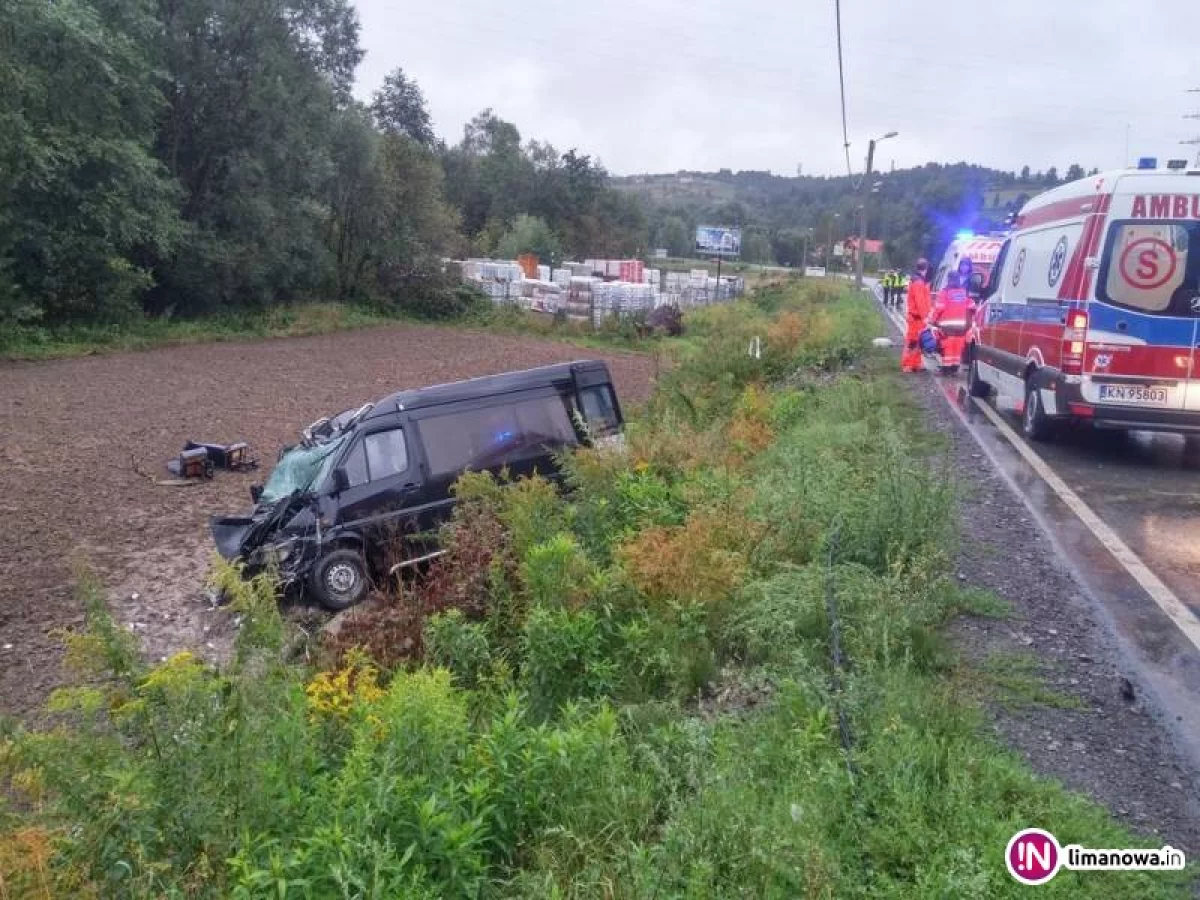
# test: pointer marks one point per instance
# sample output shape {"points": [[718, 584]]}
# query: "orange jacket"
{"points": [[918, 302], [952, 311]]}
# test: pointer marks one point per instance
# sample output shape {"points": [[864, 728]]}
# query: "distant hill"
{"points": [[913, 211]]}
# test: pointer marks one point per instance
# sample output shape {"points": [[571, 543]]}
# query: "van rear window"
{"points": [[1152, 267]]}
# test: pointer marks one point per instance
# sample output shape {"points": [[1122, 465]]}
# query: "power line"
{"points": [[837, 7], [1193, 141]]}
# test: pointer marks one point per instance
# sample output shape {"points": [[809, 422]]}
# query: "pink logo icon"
{"points": [[1033, 856]]}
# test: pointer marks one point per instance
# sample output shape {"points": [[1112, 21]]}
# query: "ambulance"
{"points": [[982, 250], [1092, 309]]}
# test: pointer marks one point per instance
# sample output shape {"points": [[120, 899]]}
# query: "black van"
{"points": [[365, 479]]}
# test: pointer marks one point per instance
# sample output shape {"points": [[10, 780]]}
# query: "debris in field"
{"points": [[884, 342], [8, 646], [161, 482], [231, 457], [193, 463]]}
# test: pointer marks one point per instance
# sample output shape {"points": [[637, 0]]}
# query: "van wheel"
{"points": [[339, 579], [1034, 421], [976, 386]]}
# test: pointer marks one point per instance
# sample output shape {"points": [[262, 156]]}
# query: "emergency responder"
{"points": [[885, 288], [951, 316], [917, 303], [901, 286]]}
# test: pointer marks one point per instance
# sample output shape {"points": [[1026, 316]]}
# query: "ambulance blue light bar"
{"points": [[965, 235], [1147, 162]]}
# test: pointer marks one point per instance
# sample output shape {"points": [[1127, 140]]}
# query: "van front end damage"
{"points": [[283, 537]]}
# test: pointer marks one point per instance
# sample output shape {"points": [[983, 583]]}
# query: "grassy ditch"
{"points": [[631, 691]]}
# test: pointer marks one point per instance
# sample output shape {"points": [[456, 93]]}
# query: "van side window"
{"points": [[356, 465], [494, 436], [386, 453], [599, 410]]}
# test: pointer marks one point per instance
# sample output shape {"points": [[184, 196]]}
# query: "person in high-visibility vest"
{"points": [[901, 287], [951, 316], [917, 310]]}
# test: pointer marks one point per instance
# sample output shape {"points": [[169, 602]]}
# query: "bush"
{"points": [[566, 657]]}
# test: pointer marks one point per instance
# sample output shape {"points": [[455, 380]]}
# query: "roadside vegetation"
{"points": [[714, 668]]}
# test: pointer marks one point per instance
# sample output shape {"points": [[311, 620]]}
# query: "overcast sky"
{"points": [[662, 85]]}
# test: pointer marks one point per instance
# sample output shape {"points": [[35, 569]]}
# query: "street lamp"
{"points": [[862, 212]]}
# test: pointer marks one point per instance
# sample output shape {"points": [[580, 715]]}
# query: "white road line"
{"points": [[1175, 609], [1171, 605]]}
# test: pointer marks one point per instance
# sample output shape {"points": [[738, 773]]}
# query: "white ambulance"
{"points": [[982, 250], [1093, 306]]}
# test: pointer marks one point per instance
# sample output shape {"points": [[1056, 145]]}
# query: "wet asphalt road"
{"points": [[1146, 488]]}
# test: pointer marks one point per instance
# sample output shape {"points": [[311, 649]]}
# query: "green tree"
{"points": [[253, 90], [675, 236], [756, 248], [530, 234], [83, 203], [1074, 172], [399, 108]]}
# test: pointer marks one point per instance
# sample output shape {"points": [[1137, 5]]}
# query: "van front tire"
{"points": [[1034, 422], [339, 580]]}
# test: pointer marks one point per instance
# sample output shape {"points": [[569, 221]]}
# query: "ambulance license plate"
{"points": [[1128, 393]]}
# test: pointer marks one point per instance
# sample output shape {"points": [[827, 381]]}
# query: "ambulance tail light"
{"points": [[1073, 342]]}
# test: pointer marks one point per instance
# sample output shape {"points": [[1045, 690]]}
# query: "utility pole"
{"points": [[829, 243], [865, 188], [804, 252], [1193, 141]]}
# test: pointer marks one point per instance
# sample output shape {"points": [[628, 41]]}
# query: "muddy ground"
{"points": [[71, 432]]}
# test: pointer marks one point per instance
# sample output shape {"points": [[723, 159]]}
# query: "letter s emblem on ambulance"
{"points": [[1058, 261]]}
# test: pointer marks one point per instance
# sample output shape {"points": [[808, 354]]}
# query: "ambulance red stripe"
{"points": [[1063, 210]]}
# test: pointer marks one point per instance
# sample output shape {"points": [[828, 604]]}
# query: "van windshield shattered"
{"points": [[299, 469]]}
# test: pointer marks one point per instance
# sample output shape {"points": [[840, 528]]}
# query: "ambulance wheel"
{"points": [[1034, 421], [339, 579], [976, 386]]}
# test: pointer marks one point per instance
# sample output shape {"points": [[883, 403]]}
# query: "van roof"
{"points": [[487, 385]]}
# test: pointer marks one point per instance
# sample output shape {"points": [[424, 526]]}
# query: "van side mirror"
{"points": [[256, 492], [341, 481]]}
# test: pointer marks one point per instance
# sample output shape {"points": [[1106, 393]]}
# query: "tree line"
{"points": [[915, 212], [191, 157]]}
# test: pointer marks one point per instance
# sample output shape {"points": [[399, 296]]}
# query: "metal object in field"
{"points": [[232, 457], [191, 463]]}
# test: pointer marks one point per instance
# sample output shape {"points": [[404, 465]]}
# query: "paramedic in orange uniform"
{"points": [[952, 315], [917, 304]]}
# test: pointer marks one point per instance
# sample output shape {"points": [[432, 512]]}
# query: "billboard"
{"points": [[719, 241]]}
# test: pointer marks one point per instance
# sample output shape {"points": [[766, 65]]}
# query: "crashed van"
{"points": [[362, 492]]}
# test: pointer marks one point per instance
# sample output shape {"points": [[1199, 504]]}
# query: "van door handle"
{"points": [[1122, 325], [410, 486]]}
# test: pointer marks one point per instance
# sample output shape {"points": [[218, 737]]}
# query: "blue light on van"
{"points": [[965, 235], [1147, 162]]}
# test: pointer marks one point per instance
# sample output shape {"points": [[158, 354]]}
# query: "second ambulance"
{"points": [[1092, 309]]}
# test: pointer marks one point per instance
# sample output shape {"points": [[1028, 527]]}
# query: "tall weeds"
{"points": [[621, 691]]}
